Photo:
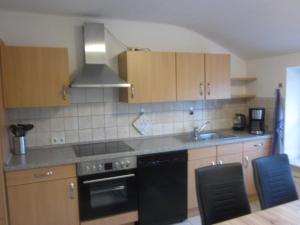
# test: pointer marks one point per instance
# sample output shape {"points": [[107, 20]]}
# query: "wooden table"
{"points": [[286, 214]]}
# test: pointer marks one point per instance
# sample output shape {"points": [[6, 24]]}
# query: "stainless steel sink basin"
{"points": [[205, 136]]}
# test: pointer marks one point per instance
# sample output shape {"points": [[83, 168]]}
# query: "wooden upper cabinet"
{"points": [[35, 77], [190, 76], [217, 71], [151, 75]]}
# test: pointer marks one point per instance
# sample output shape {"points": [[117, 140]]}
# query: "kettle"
{"points": [[239, 122]]}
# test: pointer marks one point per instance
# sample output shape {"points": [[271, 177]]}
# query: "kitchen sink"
{"points": [[205, 136]]}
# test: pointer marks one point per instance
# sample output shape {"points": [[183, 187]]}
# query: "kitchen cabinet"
{"points": [[217, 75], [45, 196], [253, 150], [239, 152], [190, 74], [35, 76], [152, 76]]}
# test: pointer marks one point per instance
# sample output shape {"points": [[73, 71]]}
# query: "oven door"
{"points": [[107, 194]]}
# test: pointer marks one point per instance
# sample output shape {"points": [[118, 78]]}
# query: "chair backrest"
{"points": [[273, 180], [221, 193]]}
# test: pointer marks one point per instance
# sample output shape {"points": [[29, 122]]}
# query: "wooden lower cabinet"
{"points": [[242, 153], [121, 219], [41, 199]]}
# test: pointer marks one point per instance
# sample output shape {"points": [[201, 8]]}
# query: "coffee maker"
{"points": [[257, 120]]}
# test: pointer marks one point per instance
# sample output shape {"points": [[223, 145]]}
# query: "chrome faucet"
{"points": [[198, 130]]}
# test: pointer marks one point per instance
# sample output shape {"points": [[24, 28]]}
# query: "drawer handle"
{"points": [[72, 190], [64, 92], [259, 145], [41, 175]]}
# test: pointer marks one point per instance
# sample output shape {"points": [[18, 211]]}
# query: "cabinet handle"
{"points": [[246, 162], [132, 91], [201, 89], [72, 190], [213, 163], [64, 92], [208, 88], [41, 175], [220, 162]]}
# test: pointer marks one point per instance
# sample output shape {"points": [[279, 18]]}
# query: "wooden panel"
{"points": [[280, 215], [192, 166], [124, 95], [217, 72], [229, 149], [231, 158], [248, 169], [257, 145], [190, 76], [40, 174], [4, 151], [34, 76], [200, 153], [163, 77], [139, 75], [44, 203], [120, 219]]}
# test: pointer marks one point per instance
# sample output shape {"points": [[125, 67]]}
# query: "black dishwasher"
{"points": [[162, 183]]}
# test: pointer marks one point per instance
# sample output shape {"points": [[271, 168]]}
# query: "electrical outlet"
{"points": [[57, 140]]}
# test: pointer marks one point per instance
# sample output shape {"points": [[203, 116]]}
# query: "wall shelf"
{"points": [[244, 79]]}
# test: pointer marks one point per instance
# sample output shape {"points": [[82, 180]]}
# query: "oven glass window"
{"points": [[104, 194]]}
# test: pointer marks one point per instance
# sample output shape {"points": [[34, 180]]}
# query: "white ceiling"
{"points": [[250, 28]]}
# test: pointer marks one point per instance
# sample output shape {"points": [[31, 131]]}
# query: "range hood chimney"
{"points": [[95, 73]]}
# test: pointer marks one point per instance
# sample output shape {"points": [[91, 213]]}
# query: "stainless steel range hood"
{"points": [[96, 73]]}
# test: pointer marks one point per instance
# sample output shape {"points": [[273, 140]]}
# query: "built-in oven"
{"points": [[107, 187]]}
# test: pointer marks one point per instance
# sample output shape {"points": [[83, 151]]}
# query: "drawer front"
{"points": [[202, 153], [229, 149], [40, 174], [260, 145]]}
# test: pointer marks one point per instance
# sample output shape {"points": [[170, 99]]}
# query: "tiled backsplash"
{"points": [[96, 114]]}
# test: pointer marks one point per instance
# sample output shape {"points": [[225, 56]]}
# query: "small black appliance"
{"points": [[257, 120], [239, 122]]}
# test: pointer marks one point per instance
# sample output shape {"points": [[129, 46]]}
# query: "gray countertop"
{"points": [[60, 155]]}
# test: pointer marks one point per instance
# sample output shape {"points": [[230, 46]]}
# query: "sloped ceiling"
{"points": [[251, 29]]}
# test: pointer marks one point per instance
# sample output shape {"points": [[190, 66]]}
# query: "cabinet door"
{"points": [[253, 150], [217, 73], [151, 75], [44, 203], [192, 166], [163, 77], [35, 77], [190, 75]]}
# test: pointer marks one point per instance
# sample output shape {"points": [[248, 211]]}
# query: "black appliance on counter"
{"points": [[107, 186], [239, 122], [162, 182], [257, 120]]}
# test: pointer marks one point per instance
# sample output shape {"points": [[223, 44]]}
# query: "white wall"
{"points": [[48, 30], [292, 113], [270, 71]]}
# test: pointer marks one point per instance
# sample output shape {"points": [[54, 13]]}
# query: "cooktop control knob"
{"points": [[87, 168], [100, 166], [94, 167], [117, 165], [128, 163], [122, 164]]}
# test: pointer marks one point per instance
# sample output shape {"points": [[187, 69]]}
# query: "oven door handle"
{"points": [[119, 188], [107, 179]]}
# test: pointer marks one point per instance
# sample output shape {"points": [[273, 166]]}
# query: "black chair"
{"points": [[221, 193], [273, 180]]}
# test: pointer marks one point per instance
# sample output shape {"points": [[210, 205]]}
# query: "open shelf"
{"points": [[241, 96], [245, 79]]}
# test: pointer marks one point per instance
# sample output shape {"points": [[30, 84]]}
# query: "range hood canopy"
{"points": [[96, 73]]}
